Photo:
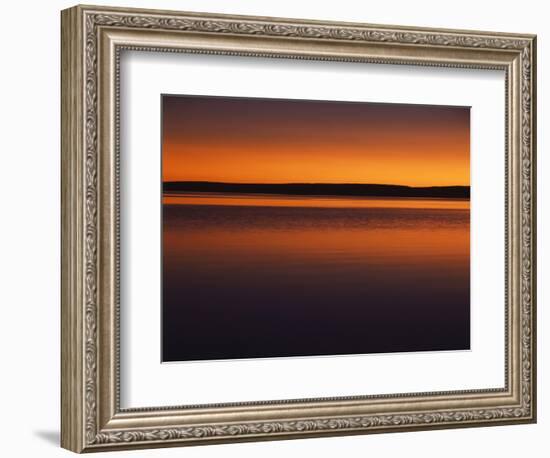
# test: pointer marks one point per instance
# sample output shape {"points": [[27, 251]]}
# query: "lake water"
{"points": [[265, 276]]}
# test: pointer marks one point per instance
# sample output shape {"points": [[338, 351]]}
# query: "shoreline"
{"points": [[317, 189]]}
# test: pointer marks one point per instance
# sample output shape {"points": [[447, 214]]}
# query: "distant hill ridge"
{"points": [[320, 189]]}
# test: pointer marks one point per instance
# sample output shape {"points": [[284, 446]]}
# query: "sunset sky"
{"points": [[282, 141]]}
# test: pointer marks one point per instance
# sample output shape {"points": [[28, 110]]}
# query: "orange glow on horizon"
{"points": [[233, 140]]}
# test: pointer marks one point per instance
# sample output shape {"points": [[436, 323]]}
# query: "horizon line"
{"points": [[313, 183]]}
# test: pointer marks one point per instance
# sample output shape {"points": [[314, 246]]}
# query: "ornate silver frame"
{"points": [[92, 39]]}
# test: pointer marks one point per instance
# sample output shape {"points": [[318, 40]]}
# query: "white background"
{"points": [[29, 242], [146, 75]]}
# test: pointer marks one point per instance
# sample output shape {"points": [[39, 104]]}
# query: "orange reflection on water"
{"points": [[265, 200], [390, 247], [292, 277], [443, 250]]}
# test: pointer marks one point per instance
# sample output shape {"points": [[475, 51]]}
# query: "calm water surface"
{"points": [[264, 276]]}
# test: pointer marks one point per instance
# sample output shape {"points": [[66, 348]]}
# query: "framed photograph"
{"points": [[278, 228]]}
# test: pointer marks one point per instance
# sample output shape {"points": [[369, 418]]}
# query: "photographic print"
{"points": [[310, 228], [302, 236]]}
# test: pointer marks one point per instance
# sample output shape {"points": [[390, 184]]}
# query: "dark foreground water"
{"points": [[253, 277]]}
